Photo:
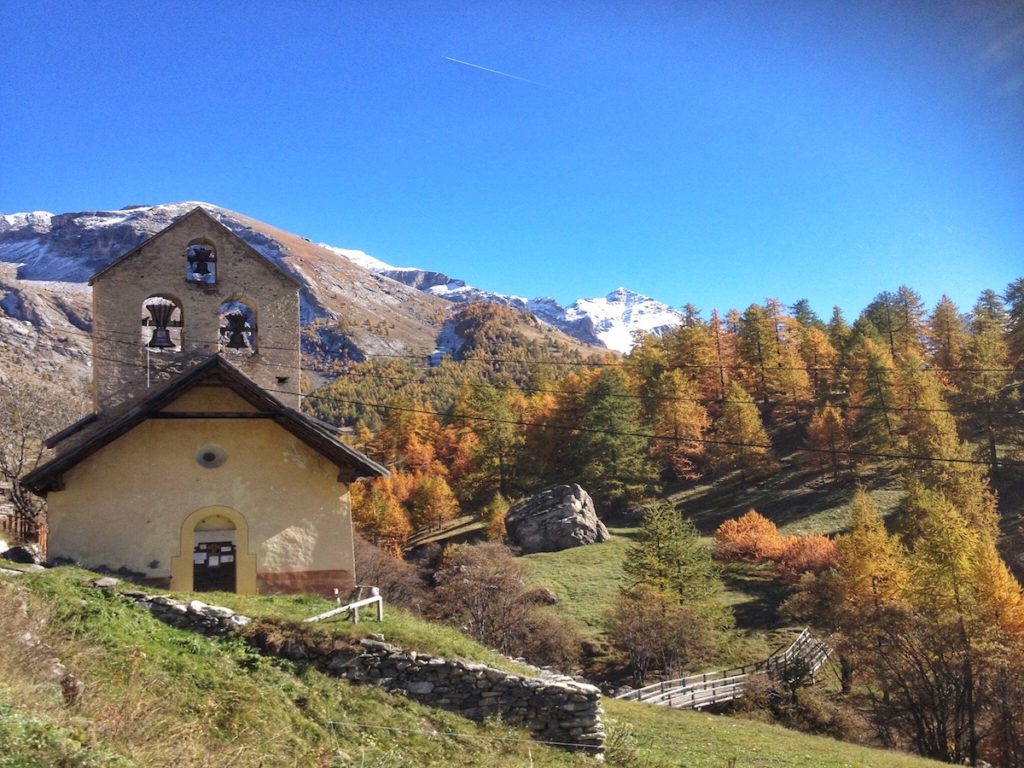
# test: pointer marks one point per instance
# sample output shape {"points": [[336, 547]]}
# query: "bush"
{"points": [[483, 590], [751, 538], [398, 580], [659, 633], [813, 553]]}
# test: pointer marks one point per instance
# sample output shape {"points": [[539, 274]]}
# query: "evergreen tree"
{"points": [[493, 415], [669, 556], [691, 348], [805, 316], [821, 361], [992, 403], [672, 613], [940, 461], [899, 318], [679, 421], [827, 444], [872, 399], [1014, 298], [725, 357], [774, 372], [433, 503], [611, 445]]}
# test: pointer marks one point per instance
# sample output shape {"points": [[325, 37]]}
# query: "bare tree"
{"points": [[31, 409]]}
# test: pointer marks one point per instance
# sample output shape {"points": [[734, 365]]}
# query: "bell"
{"points": [[199, 261], [235, 330], [161, 339], [160, 311]]}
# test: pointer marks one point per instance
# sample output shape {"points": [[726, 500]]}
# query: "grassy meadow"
{"points": [[153, 695]]}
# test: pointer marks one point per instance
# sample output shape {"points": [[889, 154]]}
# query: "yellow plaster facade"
{"points": [[136, 501], [188, 457]]}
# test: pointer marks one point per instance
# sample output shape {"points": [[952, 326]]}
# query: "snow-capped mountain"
{"points": [[611, 321], [621, 314], [343, 287]]}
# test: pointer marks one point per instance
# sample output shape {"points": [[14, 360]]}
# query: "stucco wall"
{"points": [[121, 362], [125, 504]]}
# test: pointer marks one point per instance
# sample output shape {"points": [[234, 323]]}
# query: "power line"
{"points": [[583, 363], [651, 436], [160, 358]]}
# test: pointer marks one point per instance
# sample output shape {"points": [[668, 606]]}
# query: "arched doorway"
{"points": [[214, 553]]}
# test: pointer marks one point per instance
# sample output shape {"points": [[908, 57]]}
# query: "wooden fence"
{"points": [[803, 657]]}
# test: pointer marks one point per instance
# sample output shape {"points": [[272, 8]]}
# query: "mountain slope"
{"points": [[353, 305], [610, 321], [338, 293]]}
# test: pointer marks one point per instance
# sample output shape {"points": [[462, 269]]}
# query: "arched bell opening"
{"points": [[162, 322], [215, 555], [201, 261], [238, 330]]}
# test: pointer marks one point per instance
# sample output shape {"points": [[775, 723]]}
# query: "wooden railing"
{"points": [[353, 607], [803, 657]]}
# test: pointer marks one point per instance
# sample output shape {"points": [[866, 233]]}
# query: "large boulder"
{"points": [[555, 519]]}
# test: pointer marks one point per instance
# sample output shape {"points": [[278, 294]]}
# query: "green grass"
{"points": [[399, 626], [156, 696], [586, 579], [797, 501], [29, 742], [667, 737], [162, 696]]}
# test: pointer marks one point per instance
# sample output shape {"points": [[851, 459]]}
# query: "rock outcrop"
{"points": [[555, 519]]}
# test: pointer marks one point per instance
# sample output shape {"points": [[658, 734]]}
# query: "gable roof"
{"points": [[92, 433], [198, 211]]}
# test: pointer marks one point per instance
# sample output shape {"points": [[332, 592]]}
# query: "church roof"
{"points": [[90, 434]]}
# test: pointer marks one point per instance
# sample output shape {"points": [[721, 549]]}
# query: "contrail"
{"points": [[488, 69]]}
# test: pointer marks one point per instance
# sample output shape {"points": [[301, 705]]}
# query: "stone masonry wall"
{"points": [[122, 364], [561, 712]]}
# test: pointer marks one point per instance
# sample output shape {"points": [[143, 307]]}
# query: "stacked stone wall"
{"points": [[562, 712]]}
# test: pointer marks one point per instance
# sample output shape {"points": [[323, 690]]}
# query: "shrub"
{"points": [[802, 554], [657, 632], [483, 589], [754, 538], [399, 581], [750, 538]]}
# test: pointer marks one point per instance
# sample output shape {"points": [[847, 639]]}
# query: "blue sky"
{"points": [[708, 152]]}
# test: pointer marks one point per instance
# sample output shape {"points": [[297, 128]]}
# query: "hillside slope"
{"points": [[152, 695]]}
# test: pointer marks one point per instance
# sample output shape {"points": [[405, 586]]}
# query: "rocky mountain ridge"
{"points": [[353, 305]]}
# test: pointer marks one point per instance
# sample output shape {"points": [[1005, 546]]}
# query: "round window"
{"points": [[211, 456]]}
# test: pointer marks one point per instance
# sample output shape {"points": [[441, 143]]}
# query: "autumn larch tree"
{"points": [[740, 440]]}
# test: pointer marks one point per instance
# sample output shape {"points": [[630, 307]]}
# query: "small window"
{"points": [[237, 327], [202, 263], [211, 456], [161, 324]]}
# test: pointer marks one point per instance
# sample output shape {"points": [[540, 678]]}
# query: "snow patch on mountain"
{"points": [[621, 314], [612, 320], [359, 258], [73, 246]]}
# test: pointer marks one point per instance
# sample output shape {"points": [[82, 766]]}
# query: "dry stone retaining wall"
{"points": [[562, 711]]}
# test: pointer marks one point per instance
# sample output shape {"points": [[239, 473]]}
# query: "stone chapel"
{"points": [[196, 470]]}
